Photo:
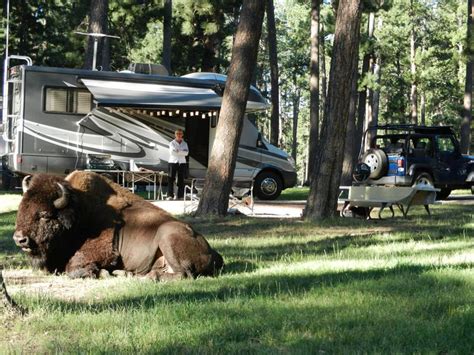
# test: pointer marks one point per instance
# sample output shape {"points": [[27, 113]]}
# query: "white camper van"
{"points": [[58, 120]]}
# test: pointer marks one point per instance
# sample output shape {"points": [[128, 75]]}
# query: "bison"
{"points": [[85, 223]]}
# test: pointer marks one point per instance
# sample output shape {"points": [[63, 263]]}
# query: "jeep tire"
{"points": [[443, 194], [376, 159]]}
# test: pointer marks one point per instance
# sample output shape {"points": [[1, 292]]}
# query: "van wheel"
{"points": [[377, 160], [268, 185]]}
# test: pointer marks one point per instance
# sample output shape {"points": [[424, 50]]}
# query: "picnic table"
{"points": [[370, 197]]}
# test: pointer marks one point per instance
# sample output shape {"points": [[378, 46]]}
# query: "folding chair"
{"points": [[192, 193], [242, 195]]}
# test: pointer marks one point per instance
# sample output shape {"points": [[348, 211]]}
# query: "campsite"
{"points": [[289, 286], [238, 176]]}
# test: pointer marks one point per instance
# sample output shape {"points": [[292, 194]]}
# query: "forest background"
{"points": [[412, 54]]}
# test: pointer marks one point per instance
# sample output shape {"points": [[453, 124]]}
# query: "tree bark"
{"points": [[97, 24], [322, 199], [324, 86], [167, 20], [378, 75], [360, 125], [376, 93], [313, 141], [467, 107], [423, 109], [351, 149], [215, 199], [368, 103], [296, 112], [413, 92], [273, 58]]}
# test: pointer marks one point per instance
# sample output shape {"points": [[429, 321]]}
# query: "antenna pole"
{"points": [[96, 37], [94, 58]]}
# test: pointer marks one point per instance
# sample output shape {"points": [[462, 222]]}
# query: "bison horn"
{"points": [[62, 200], [25, 184]]}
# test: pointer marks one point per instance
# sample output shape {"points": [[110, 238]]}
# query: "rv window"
{"points": [[68, 100]]}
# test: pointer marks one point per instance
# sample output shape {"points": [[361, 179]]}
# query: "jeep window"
{"points": [[390, 145], [421, 147], [446, 147]]}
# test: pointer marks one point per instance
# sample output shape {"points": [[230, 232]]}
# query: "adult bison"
{"points": [[85, 223]]}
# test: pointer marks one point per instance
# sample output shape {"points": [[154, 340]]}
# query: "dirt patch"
{"points": [[60, 287]]}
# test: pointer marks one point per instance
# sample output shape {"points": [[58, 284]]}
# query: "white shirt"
{"points": [[178, 152]]}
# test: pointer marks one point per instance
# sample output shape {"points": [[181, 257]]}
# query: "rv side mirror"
{"points": [[1, 128]]}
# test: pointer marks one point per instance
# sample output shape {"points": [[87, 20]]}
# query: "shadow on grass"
{"points": [[405, 309], [239, 267], [268, 286]]}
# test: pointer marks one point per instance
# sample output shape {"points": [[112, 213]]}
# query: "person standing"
{"points": [[177, 164]]}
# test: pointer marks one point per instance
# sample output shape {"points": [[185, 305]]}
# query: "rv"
{"points": [[58, 120]]}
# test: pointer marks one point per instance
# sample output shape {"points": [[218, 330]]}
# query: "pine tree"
{"points": [[322, 200], [467, 112], [215, 199]]}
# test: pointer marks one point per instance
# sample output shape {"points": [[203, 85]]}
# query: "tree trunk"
{"points": [[368, 103], [322, 199], [296, 112], [215, 199], [351, 150], [467, 111], [377, 74], [97, 24], [167, 20], [275, 95], [413, 92], [423, 109], [314, 89], [376, 93], [360, 125], [324, 90], [105, 60]]}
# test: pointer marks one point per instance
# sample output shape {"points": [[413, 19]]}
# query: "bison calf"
{"points": [[85, 223]]}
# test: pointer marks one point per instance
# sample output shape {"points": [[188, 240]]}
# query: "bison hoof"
{"points": [[104, 274]]}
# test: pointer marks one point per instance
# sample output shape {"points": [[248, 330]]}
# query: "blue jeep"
{"points": [[405, 155]]}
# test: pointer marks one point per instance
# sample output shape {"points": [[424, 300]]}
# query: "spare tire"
{"points": [[377, 160]]}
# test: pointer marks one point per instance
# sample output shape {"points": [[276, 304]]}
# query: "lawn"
{"points": [[339, 286]]}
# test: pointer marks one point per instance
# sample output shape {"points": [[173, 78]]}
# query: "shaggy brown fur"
{"points": [[104, 226]]}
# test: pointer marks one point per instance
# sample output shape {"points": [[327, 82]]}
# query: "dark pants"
{"points": [[173, 170]]}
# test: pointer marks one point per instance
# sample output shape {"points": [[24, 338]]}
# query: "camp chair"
{"points": [[241, 195]]}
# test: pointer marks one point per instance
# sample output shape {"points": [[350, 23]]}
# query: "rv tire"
{"points": [[268, 185]]}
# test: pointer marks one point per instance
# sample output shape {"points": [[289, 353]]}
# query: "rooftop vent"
{"points": [[147, 68]]}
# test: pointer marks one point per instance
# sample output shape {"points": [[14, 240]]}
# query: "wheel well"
{"points": [[272, 170], [418, 171]]}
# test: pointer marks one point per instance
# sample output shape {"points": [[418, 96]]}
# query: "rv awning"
{"points": [[151, 95]]}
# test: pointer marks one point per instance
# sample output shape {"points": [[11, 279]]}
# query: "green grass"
{"points": [[294, 193], [338, 286]]}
